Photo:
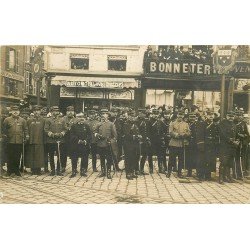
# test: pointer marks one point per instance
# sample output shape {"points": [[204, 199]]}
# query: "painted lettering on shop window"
{"points": [[179, 68]]}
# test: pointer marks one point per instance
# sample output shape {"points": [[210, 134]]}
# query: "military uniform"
{"points": [[157, 137], [179, 132], [69, 121], [241, 135], [35, 147], [191, 148], [145, 144], [131, 140], [106, 132], [55, 129], [16, 131], [211, 140], [93, 125], [228, 144], [80, 137]]}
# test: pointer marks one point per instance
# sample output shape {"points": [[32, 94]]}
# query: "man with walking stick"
{"points": [[16, 131], [55, 129]]}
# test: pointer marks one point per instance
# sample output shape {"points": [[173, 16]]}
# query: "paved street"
{"points": [[150, 189]]}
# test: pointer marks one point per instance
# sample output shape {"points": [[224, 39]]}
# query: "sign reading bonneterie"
{"points": [[182, 68]]}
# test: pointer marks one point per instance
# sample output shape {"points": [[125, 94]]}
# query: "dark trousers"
{"points": [[161, 158], [173, 153], [84, 161], [146, 152], [64, 155], [105, 158], [46, 159], [210, 160], [244, 156], [200, 164], [119, 145], [132, 155], [52, 148], [14, 152], [93, 150], [227, 154], [190, 153]]}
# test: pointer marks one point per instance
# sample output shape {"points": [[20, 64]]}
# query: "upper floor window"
{"points": [[79, 61], [12, 59], [117, 63]]}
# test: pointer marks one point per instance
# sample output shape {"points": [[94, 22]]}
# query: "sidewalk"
{"points": [[155, 188]]}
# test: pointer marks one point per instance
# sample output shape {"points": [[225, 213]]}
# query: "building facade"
{"points": [[16, 81], [93, 77]]}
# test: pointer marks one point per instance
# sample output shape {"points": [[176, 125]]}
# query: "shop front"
{"points": [[86, 93], [181, 83]]}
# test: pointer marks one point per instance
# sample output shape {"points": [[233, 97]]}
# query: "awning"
{"points": [[95, 82]]}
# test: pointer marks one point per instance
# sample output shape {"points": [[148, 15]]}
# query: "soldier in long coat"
{"points": [[35, 147], [16, 131], [55, 129], [228, 145], [80, 137]]}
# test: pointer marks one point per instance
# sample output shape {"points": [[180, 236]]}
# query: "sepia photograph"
{"points": [[124, 125], [118, 124]]}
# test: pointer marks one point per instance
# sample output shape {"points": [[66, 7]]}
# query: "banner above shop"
{"points": [[95, 82], [242, 69], [181, 68]]}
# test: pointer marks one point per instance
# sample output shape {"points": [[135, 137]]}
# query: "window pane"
{"points": [[79, 63], [117, 65]]}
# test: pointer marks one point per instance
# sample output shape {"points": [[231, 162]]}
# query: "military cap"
{"points": [[155, 111], [25, 111], [54, 108], [209, 112], [238, 113], [91, 112], [192, 115], [37, 107], [114, 109], [230, 113], [181, 112], [142, 111], [15, 107], [246, 115], [167, 111], [104, 111], [80, 115], [70, 108]]}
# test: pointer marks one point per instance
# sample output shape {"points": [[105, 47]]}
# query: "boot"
{"points": [[103, 172], [221, 175], [168, 174], [189, 174], [73, 175], [52, 173]]}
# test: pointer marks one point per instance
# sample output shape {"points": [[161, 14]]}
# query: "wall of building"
{"points": [[58, 57]]}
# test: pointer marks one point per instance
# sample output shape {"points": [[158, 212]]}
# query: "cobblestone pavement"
{"points": [[151, 189]]}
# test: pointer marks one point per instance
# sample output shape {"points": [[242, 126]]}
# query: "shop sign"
{"points": [[91, 94], [121, 95], [71, 93], [182, 68], [94, 84], [84, 56], [12, 75], [243, 68]]}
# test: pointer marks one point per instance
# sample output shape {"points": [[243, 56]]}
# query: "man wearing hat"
{"points": [[157, 137], [80, 137], [242, 137], [16, 131], [55, 129], [191, 149], [93, 124], [145, 145], [228, 145], [35, 147], [211, 140], [105, 133], [131, 144], [69, 119], [179, 133]]}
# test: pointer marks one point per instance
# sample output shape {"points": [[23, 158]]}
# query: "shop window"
{"points": [[12, 59], [79, 61], [11, 87], [117, 63]]}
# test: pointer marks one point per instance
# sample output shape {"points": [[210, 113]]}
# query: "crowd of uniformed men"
{"points": [[193, 141]]}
